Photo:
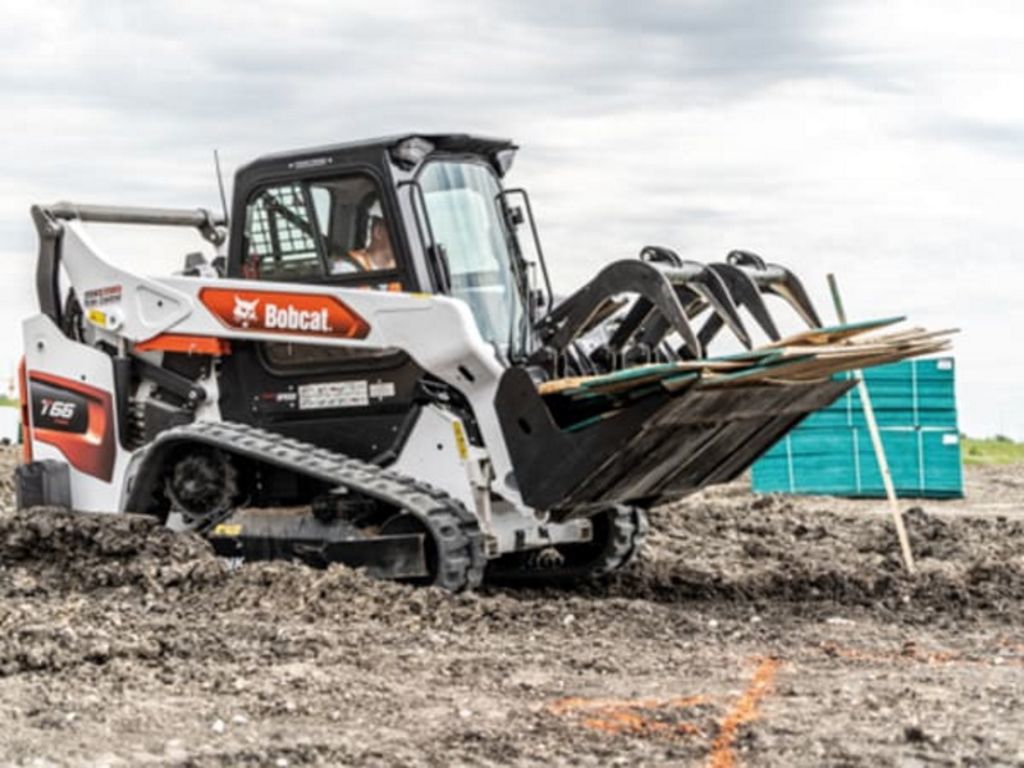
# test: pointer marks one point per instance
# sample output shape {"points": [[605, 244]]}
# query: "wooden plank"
{"points": [[577, 385], [755, 371], [556, 386], [832, 333], [588, 382], [678, 383], [588, 422], [812, 367], [916, 332], [811, 354]]}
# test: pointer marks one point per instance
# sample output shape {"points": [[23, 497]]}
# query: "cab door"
{"points": [[333, 232]]}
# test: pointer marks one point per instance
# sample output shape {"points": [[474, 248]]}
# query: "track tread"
{"points": [[455, 530]]}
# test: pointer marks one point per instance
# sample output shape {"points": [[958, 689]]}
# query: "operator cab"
{"points": [[408, 213]]}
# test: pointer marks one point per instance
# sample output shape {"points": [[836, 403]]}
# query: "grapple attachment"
{"points": [[623, 415]]}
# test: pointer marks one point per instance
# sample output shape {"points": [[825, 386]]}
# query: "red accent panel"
{"points": [[93, 451], [192, 345], [279, 312], [26, 426]]}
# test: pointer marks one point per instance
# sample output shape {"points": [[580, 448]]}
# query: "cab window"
{"points": [[460, 199], [326, 231], [281, 243]]}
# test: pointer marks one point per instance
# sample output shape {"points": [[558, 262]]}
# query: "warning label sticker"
{"points": [[98, 297], [334, 394]]}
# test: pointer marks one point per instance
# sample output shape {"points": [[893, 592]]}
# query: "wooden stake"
{"points": [[876, 441]]}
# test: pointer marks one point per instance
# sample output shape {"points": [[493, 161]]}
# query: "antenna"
{"points": [[220, 185]]}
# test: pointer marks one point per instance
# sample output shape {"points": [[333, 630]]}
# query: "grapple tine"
{"points": [[792, 290], [637, 315], [776, 279], [706, 284], [685, 330], [655, 327], [697, 286], [745, 293], [654, 332], [710, 329]]}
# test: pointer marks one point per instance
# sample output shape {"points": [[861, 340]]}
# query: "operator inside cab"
{"points": [[376, 255]]}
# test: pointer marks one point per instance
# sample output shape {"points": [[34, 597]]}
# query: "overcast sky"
{"points": [[880, 141]]}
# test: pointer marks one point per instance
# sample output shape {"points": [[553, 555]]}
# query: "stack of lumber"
{"points": [[817, 354], [831, 451]]}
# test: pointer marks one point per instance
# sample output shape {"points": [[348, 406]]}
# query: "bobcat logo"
{"points": [[245, 311]]}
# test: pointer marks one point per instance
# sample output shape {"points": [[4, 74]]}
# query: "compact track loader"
{"points": [[374, 371]]}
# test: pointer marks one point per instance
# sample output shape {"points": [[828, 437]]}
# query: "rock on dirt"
{"points": [[754, 630]]}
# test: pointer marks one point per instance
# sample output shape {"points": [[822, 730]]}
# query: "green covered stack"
{"points": [[831, 452]]}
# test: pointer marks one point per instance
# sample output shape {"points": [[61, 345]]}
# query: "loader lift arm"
{"points": [[47, 220]]}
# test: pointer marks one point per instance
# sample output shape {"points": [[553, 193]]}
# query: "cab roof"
{"points": [[330, 154]]}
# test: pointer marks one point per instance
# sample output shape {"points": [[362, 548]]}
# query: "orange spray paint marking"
{"points": [[742, 712], [637, 717]]}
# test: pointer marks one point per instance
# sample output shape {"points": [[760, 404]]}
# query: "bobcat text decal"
{"points": [[277, 312]]}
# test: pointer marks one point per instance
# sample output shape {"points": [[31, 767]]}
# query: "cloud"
{"points": [[869, 139], [998, 138]]}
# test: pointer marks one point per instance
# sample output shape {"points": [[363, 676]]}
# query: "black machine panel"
{"points": [[358, 403]]}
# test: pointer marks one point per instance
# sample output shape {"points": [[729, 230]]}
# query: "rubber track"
{"points": [[630, 528], [454, 529]]}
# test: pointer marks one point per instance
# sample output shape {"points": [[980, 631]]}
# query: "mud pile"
{"points": [[726, 545], [8, 461], [723, 546], [53, 550], [123, 643]]}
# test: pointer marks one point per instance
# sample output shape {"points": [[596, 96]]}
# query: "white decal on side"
{"points": [[382, 389], [287, 318], [58, 409], [334, 394], [291, 319]]}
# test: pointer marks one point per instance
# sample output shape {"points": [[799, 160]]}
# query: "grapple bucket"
{"points": [[625, 416], [659, 447]]}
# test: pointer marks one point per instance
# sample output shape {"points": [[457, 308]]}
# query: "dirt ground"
{"points": [[755, 631]]}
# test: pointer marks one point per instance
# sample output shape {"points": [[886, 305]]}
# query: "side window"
{"points": [[332, 228], [322, 205], [280, 236]]}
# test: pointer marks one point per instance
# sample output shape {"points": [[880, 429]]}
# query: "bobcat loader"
{"points": [[374, 370]]}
